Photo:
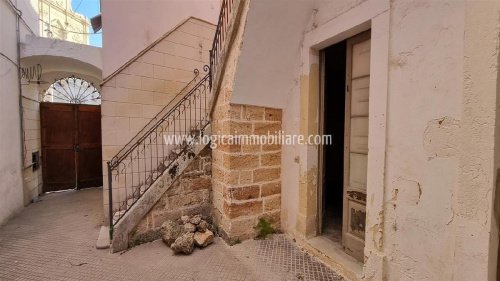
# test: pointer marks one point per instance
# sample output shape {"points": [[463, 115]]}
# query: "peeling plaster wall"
{"points": [[431, 168], [424, 109]]}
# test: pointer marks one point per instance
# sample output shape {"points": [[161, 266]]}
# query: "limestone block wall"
{"points": [[190, 194], [31, 142], [136, 92], [246, 177]]}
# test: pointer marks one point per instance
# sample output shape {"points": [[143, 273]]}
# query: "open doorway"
{"points": [[345, 100], [334, 120]]}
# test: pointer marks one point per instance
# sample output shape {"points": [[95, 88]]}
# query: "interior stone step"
{"points": [[103, 239]]}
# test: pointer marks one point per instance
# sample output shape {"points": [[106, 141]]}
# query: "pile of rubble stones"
{"points": [[184, 234]]}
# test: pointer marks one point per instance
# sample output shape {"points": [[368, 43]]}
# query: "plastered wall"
{"points": [[11, 184]]}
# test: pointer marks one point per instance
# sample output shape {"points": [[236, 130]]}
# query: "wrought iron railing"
{"points": [[147, 156], [221, 33]]}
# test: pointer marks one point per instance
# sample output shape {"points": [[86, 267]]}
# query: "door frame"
{"points": [[372, 15]]}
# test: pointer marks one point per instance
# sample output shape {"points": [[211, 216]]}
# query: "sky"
{"points": [[89, 8]]}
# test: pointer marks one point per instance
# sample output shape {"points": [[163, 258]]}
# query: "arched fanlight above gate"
{"points": [[72, 90]]}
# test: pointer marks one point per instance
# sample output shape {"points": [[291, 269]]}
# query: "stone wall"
{"points": [[31, 142], [246, 177], [188, 195]]}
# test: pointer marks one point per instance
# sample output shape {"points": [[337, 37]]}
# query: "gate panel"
{"points": [[89, 146], [58, 139], [71, 146]]}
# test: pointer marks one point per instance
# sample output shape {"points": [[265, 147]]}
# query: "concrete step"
{"points": [[103, 241]]}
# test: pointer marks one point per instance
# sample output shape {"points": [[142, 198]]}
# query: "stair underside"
{"points": [[143, 205]]}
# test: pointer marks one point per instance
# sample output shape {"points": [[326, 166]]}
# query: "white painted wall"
{"points": [[131, 25], [11, 184]]}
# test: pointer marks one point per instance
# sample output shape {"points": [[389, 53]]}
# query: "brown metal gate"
{"points": [[71, 146]]}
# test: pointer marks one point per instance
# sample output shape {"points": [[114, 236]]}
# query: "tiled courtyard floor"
{"points": [[54, 239]]}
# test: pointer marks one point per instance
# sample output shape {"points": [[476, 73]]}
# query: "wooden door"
{"points": [[356, 144], [89, 156], [58, 146], [71, 146]]}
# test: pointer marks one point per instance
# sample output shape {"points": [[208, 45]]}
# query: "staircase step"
{"points": [[103, 241]]}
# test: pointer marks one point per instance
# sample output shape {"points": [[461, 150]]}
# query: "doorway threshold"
{"points": [[336, 257]]}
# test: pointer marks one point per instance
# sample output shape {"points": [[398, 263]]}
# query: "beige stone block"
{"points": [[251, 148], [235, 112], [242, 193], [217, 186], [243, 228], [235, 210], [32, 115], [150, 111], [221, 111], [217, 198], [114, 94], [108, 151], [153, 85], [225, 95], [272, 114], [252, 113], [246, 177], [272, 203], [178, 50], [270, 159], [152, 57], [31, 124], [182, 63], [184, 38], [201, 183], [271, 147], [238, 162], [174, 87], [266, 174], [141, 69], [274, 217], [266, 128], [226, 177], [111, 82], [218, 157], [172, 74], [229, 147], [162, 98], [128, 81], [107, 109], [31, 134], [115, 124], [237, 128], [137, 124], [126, 109], [272, 188], [198, 29], [140, 97]]}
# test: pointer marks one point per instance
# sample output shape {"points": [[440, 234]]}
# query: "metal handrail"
{"points": [[147, 156], [158, 117], [220, 36]]}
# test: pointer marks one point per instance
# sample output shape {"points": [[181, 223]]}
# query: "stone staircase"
{"points": [[144, 169]]}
